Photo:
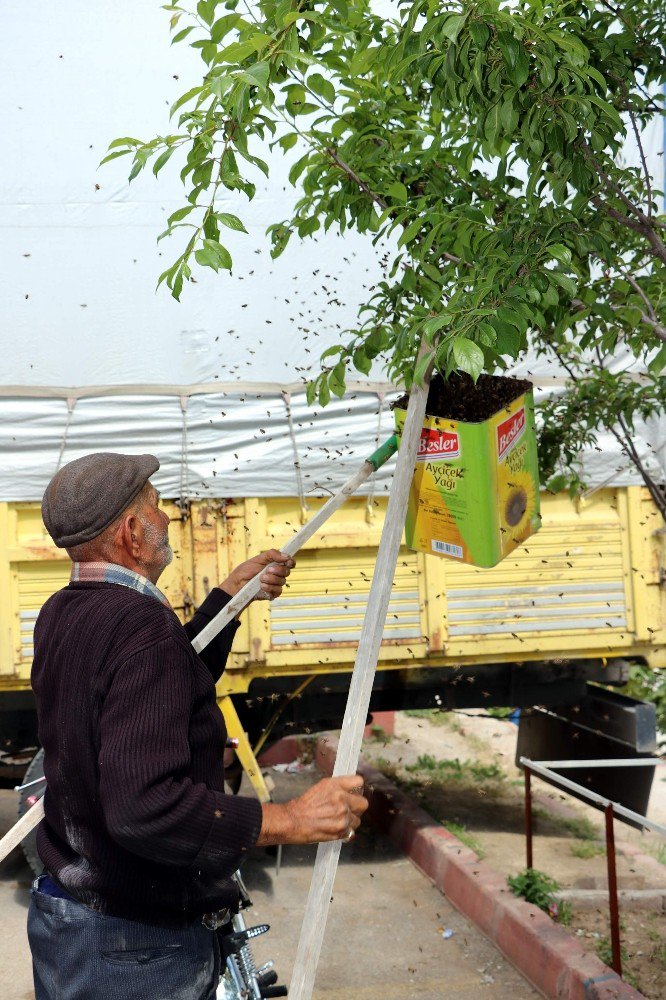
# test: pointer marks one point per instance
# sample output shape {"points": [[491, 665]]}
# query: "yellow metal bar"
{"points": [[244, 750], [7, 646]]}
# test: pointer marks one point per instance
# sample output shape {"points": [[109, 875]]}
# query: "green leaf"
{"points": [[206, 258], [336, 380], [560, 252], [298, 168], [521, 71], [116, 153], [223, 26], [183, 99], [565, 282], [362, 362], [410, 231], [295, 98], [213, 250], [509, 339], [288, 141], [125, 141], [258, 75], [468, 356], [509, 116], [324, 392], [658, 363], [206, 10], [453, 25], [230, 221], [321, 86], [608, 110], [180, 214], [397, 191], [435, 324], [557, 483], [308, 226], [546, 71], [480, 33], [180, 35], [509, 47], [162, 159], [311, 391]]}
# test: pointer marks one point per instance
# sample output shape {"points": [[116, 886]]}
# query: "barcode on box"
{"points": [[446, 549]]}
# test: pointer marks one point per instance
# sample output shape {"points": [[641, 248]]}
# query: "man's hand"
{"points": [[330, 810], [276, 566]]}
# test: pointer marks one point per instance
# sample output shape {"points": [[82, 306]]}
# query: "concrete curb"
{"points": [[550, 958]]}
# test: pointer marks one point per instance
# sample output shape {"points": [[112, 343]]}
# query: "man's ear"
{"points": [[129, 535]]}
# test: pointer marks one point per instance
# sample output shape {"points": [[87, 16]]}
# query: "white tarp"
{"points": [[199, 382]]}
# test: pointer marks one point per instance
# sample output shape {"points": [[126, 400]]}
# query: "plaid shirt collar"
{"points": [[103, 572]]}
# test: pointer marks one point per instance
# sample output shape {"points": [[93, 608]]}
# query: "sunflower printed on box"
{"points": [[475, 492]]}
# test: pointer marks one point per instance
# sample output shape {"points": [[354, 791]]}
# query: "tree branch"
{"points": [[650, 321], [378, 200], [627, 445], [639, 291], [646, 172], [346, 169], [646, 228]]}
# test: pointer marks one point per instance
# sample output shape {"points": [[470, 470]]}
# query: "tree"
{"points": [[479, 144]]}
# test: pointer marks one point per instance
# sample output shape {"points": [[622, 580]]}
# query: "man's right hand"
{"points": [[330, 810]]}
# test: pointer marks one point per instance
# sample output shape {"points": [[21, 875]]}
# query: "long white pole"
{"points": [[358, 700], [27, 822]]}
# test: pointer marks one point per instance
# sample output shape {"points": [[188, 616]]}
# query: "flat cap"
{"points": [[88, 494]]}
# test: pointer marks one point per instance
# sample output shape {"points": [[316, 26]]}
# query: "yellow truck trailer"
{"points": [[576, 603]]}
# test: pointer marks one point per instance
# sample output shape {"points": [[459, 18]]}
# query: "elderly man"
{"points": [[139, 838]]}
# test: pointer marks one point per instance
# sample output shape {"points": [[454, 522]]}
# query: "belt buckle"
{"points": [[213, 921]]}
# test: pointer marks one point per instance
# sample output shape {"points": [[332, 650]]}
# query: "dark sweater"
{"points": [[137, 823]]}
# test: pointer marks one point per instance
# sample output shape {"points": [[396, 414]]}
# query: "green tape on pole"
{"points": [[383, 453]]}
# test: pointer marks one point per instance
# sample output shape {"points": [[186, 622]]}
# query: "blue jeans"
{"points": [[79, 954]]}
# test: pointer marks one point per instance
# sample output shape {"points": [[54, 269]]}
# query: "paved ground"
{"points": [[384, 938]]}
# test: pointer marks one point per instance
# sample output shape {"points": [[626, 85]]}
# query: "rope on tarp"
{"points": [[71, 403], [286, 396], [196, 389]]}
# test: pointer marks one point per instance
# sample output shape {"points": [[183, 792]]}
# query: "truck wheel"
{"points": [[27, 798]]}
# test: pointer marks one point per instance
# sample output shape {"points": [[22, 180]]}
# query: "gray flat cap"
{"points": [[86, 495]]}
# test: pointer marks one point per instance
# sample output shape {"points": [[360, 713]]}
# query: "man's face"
{"points": [[157, 552]]}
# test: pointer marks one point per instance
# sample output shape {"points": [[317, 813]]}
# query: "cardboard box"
{"points": [[475, 492]]}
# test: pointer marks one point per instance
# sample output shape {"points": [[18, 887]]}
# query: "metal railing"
{"points": [[544, 769]]}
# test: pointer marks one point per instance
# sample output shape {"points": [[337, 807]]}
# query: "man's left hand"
{"points": [[276, 568]]}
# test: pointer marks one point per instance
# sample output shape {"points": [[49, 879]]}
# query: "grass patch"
{"points": [[587, 849], [658, 852], [604, 950], [467, 838], [581, 827], [379, 735], [437, 716], [456, 770], [387, 768], [500, 713]]}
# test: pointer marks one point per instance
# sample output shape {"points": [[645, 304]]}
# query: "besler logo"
{"points": [[509, 431], [436, 444]]}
